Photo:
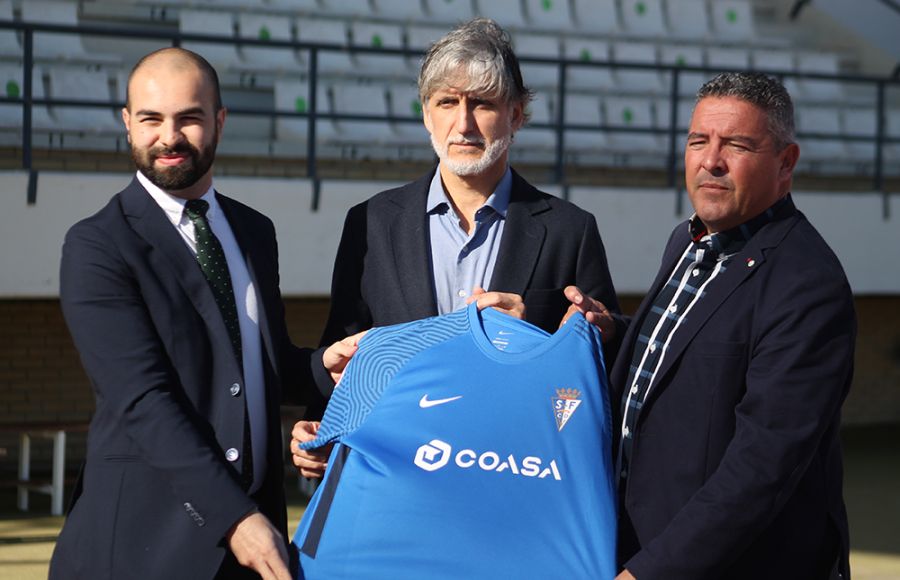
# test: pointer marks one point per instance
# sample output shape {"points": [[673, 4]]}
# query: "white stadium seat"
{"points": [[507, 13], [327, 31], [584, 110], [346, 7], [585, 77], [404, 102], [684, 55], [596, 16], [820, 120], [688, 19], [861, 123], [296, 6], [632, 113], [378, 35], [727, 59], [267, 27], [817, 89], [636, 79], [399, 9], [549, 14], [11, 85], [59, 46], [293, 96], [733, 19], [89, 85], [644, 17], [542, 111], [541, 46], [208, 22], [9, 42], [353, 99], [449, 11]]}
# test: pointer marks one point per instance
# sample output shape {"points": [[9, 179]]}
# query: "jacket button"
{"points": [[232, 454], [235, 390]]}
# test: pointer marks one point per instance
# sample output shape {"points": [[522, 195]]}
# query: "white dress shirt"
{"points": [[247, 309]]}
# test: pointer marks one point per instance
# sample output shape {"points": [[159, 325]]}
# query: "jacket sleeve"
{"points": [[592, 277], [799, 371], [135, 384]]}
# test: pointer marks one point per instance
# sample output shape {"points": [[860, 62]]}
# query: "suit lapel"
{"points": [[411, 246], [170, 254], [523, 237], [258, 260], [740, 268]]}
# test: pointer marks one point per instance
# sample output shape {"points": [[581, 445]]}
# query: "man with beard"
{"points": [[171, 295], [470, 224]]}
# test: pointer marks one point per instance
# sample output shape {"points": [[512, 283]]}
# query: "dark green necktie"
{"points": [[215, 268], [212, 261]]}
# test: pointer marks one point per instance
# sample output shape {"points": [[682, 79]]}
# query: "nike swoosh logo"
{"points": [[425, 402]]}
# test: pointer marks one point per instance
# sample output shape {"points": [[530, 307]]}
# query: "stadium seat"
{"points": [[354, 8], [378, 35], [636, 79], [420, 37], [542, 111], [293, 96], [551, 15], [733, 19], [771, 61], [633, 114], [267, 27], [684, 55], [11, 84], [688, 19], [507, 13], [726, 60], [355, 99], [327, 31], [588, 77], [59, 46], [296, 6], [685, 109], [90, 85], [892, 131], [399, 10], [596, 16], [540, 46], [9, 42], [221, 56], [404, 102], [449, 11], [823, 120], [861, 122], [643, 17], [817, 89], [584, 110]]}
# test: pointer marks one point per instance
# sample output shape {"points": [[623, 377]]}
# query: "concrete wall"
{"points": [[634, 223]]}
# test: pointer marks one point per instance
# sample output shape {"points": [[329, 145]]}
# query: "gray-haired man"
{"points": [[470, 224]]}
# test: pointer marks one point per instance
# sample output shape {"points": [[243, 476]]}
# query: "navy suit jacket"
{"points": [[383, 275], [157, 495], [736, 467]]}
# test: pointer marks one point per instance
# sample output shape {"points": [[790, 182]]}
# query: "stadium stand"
{"points": [[367, 58]]}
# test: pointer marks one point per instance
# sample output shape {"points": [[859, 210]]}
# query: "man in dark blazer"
{"points": [[470, 224], [731, 376], [183, 476]]}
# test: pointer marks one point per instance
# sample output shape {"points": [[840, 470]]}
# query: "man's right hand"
{"points": [[257, 545], [594, 312], [310, 463]]}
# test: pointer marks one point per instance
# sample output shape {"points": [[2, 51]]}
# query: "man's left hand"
{"points": [[505, 302], [339, 354]]}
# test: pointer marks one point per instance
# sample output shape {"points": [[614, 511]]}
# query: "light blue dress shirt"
{"points": [[459, 261]]}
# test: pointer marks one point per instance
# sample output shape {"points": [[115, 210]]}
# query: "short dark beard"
{"points": [[181, 176]]}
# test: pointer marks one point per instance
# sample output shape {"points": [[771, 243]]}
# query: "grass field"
{"points": [[872, 492]]}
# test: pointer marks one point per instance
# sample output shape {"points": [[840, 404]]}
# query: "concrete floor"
{"points": [[872, 493]]}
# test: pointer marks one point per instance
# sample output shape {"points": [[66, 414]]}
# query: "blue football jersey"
{"points": [[469, 445]]}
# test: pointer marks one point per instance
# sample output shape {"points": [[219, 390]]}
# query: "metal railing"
{"points": [[558, 125]]}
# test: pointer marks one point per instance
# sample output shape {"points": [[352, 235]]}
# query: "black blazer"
{"points": [[157, 494], [382, 274], [736, 468]]}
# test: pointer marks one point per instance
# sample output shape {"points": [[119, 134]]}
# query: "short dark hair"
{"points": [[206, 69], [761, 90]]}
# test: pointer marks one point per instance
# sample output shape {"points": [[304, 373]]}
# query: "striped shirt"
{"points": [[703, 260]]}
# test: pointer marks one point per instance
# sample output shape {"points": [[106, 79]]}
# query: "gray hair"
{"points": [[760, 90], [478, 54]]}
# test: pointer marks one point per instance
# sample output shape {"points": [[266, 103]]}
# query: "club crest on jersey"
{"points": [[565, 404]]}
